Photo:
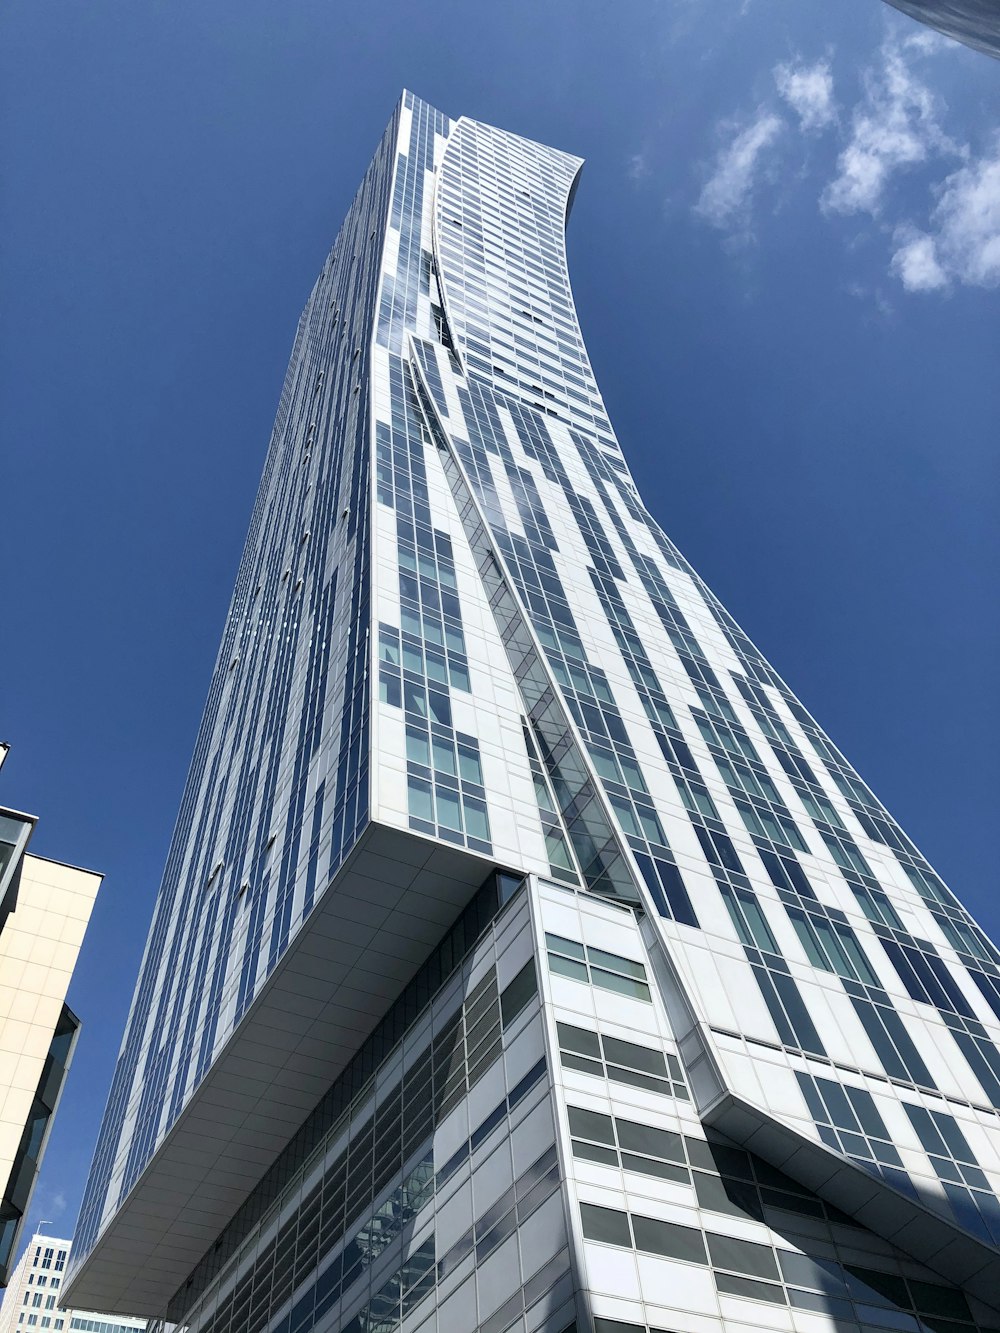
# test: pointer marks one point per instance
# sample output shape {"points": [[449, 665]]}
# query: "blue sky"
{"points": [[785, 250]]}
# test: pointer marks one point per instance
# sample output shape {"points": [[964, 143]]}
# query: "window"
{"points": [[621, 1061], [606, 1225], [669, 1239], [965, 1185], [876, 905], [846, 855], [926, 977], [743, 1256], [832, 946], [643, 1148], [820, 809], [965, 939], [893, 1045], [786, 873], [849, 1122], [748, 918], [927, 885], [989, 985], [719, 850], [788, 1010], [591, 1125], [569, 958], [666, 888], [517, 994], [635, 1137]]}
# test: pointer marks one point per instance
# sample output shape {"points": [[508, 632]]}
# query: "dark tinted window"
{"points": [[605, 1224], [669, 1239]]}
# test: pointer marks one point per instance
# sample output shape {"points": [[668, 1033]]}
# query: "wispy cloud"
{"points": [[901, 172], [750, 146], [808, 90], [725, 196], [963, 243], [896, 125], [637, 167]]}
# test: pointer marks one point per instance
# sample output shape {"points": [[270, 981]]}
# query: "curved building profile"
{"points": [[527, 957], [974, 22]]}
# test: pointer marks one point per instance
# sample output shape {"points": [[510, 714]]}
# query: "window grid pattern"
{"points": [[594, 844], [959, 929], [781, 994], [529, 563], [584, 691], [396, 1225], [775, 832], [969, 1193], [849, 1122], [597, 967], [627, 1062], [423, 662], [733, 1182], [500, 210], [353, 1089], [750, 785], [829, 943], [438, 1079]]}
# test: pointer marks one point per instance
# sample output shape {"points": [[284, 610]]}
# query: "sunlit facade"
{"points": [[526, 958], [45, 908]]}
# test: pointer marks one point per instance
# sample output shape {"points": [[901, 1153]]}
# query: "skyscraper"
{"points": [[526, 956]]}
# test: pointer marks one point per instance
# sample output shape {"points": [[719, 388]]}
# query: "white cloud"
{"points": [[964, 243], [897, 125], [808, 90], [929, 42], [915, 263], [912, 184], [726, 193]]}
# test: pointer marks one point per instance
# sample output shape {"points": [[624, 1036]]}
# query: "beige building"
{"points": [[31, 1301], [44, 909]]}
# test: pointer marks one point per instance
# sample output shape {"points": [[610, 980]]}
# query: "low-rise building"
{"points": [[31, 1300], [45, 906]]}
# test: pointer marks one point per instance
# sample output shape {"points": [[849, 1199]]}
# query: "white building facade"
{"points": [[33, 1297], [526, 957]]}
